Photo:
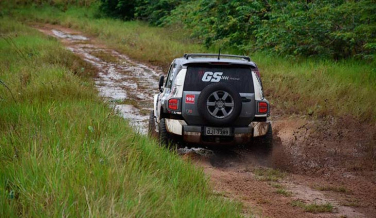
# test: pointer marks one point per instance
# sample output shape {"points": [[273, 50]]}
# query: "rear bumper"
{"points": [[195, 134]]}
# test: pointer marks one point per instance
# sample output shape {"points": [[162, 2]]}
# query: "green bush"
{"points": [[335, 29], [149, 10], [123, 9]]}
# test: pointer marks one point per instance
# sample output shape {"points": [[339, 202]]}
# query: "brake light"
{"points": [[262, 107], [257, 72], [173, 104]]}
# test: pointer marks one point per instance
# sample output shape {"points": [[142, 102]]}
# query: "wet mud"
{"points": [[324, 162], [127, 85]]}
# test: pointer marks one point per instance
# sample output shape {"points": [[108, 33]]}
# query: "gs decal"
{"points": [[214, 77]]}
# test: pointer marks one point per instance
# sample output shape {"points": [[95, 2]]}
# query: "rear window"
{"points": [[201, 75]]}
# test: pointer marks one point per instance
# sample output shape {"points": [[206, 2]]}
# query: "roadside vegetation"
{"points": [[65, 153], [268, 174], [317, 87], [330, 29], [339, 189], [313, 208]]}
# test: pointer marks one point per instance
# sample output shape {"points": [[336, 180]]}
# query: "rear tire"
{"points": [[164, 136], [264, 143], [151, 128]]}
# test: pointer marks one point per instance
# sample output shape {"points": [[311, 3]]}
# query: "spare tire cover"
{"points": [[219, 104]]}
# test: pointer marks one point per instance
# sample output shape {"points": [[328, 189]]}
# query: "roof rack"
{"points": [[186, 56]]}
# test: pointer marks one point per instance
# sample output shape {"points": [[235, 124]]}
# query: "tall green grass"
{"points": [[64, 153], [136, 39], [320, 88], [317, 88]]}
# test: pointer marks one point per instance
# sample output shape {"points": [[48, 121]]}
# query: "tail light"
{"points": [[173, 104], [262, 107], [257, 72]]}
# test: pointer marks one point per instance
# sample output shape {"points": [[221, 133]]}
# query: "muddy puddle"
{"points": [[129, 87]]}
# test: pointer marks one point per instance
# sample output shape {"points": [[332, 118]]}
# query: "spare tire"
{"points": [[219, 104]]}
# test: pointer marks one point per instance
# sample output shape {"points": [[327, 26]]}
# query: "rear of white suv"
{"points": [[210, 100]]}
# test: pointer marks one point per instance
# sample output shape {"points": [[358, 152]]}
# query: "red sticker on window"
{"points": [[190, 99]]}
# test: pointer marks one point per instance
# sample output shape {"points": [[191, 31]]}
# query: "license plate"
{"points": [[217, 131]]}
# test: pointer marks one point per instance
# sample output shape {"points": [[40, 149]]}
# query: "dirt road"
{"points": [[318, 168]]}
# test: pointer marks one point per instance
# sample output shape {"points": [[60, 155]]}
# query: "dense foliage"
{"points": [[153, 11], [57, 3], [336, 29]]}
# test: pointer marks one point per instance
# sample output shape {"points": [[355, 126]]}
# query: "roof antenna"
{"points": [[219, 53]]}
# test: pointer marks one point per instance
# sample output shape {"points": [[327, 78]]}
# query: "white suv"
{"points": [[211, 99]]}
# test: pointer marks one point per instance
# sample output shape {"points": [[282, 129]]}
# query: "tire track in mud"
{"points": [[129, 87]]}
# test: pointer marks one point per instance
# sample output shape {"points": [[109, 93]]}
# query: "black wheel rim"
{"points": [[220, 104]]}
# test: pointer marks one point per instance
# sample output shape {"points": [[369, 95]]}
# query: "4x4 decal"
{"points": [[213, 77]]}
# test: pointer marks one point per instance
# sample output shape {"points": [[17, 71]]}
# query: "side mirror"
{"points": [[161, 81]]}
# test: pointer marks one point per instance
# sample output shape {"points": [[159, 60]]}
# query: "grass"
{"points": [[276, 185], [132, 102], [317, 88], [269, 174], [63, 152], [351, 202], [320, 88], [313, 208], [339, 189], [280, 189], [138, 40], [104, 56], [283, 192]]}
